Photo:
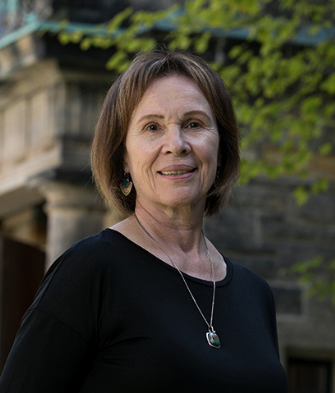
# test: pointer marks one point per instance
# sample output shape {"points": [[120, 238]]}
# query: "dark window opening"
{"points": [[309, 376]]}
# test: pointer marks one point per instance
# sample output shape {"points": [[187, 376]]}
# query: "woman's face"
{"points": [[172, 145]]}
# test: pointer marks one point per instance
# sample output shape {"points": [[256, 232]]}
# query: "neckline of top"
{"points": [[225, 281]]}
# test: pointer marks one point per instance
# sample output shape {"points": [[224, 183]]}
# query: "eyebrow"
{"points": [[150, 116], [198, 112], [189, 113]]}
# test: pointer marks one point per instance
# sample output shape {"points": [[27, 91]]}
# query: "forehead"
{"points": [[173, 91]]}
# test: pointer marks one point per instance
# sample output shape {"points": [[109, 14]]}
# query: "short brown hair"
{"points": [[123, 97]]}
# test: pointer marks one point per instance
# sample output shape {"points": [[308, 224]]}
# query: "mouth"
{"points": [[176, 173]]}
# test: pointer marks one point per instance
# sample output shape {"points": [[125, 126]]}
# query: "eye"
{"points": [[152, 127], [193, 124]]}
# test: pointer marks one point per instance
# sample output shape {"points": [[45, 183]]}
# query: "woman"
{"points": [[150, 305]]}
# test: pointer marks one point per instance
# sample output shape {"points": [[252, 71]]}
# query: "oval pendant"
{"points": [[213, 339]]}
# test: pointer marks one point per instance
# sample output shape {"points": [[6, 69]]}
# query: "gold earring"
{"points": [[126, 185]]}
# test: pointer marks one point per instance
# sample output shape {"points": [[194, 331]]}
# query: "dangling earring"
{"points": [[126, 185]]}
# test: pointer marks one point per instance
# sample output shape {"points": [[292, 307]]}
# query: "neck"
{"points": [[172, 229], [180, 238]]}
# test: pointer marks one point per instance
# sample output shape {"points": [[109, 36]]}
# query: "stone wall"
{"points": [[265, 230]]}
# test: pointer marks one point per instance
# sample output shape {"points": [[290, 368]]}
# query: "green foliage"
{"points": [[282, 88], [318, 275]]}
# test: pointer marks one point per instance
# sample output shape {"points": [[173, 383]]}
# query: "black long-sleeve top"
{"points": [[111, 317]]}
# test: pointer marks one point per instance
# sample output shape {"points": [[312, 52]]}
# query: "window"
{"points": [[309, 376]]}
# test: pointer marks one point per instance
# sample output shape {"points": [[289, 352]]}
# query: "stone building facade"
{"points": [[50, 98]]}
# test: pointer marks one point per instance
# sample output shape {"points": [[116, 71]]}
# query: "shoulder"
{"points": [[93, 252], [77, 283], [252, 290], [97, 244], [84, 266], [248, 280]]}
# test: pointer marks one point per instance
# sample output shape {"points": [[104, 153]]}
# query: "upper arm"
{"points": [[47, 356]]}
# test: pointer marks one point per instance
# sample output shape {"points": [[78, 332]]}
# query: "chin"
{"points": [[184, 202]]}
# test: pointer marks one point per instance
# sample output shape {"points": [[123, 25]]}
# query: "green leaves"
{"points": [[318, 275], [328, 84], [325, 149], [201, 42], [283, 93], [119, 61], [301, 195], [118, 19]]}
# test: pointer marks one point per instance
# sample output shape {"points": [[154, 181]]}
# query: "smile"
{"points": [[175, 173]]}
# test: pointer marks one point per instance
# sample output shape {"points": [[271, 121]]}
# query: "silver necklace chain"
{"points": [[210, 324]]}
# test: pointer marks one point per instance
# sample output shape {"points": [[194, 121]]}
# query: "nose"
{"points": [[176, 142]]}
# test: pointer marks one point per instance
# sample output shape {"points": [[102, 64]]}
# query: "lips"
{"points": [[176, 171]]}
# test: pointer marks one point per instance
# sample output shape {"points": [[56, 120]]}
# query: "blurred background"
{"points": [[57, 61]]}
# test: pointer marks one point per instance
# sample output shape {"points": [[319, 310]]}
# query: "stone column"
{"points": [[73, 212]]}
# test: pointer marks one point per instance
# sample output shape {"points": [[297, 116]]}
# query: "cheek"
{"points": [[137, 162], [131, 155], [212, 151]]}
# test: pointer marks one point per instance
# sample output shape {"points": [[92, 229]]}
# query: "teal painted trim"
{"points": [[53, 27], [71, 27], [19, 33], [303, 38], [11, 6], [237, 33]]}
